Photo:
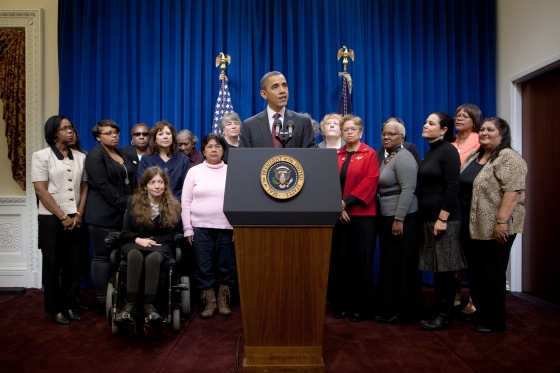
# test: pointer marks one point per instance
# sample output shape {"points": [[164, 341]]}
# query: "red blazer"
{"points": [[361, 179]]}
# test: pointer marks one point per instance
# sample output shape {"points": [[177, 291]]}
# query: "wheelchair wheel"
{"points": [[176, 320], [109, 302], [185, 298], [115, 329]]}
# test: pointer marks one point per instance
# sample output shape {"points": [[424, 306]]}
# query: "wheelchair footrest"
{"points": [[181, 287]]}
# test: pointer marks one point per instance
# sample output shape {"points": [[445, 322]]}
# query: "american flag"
{"points": [[223, 104], [345, 101]]}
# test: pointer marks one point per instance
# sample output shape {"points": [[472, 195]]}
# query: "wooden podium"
{"points": [[283, 251]]}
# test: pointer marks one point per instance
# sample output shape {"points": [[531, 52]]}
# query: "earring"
{"points": [[131, 142], [441, 137], [402, 146]]}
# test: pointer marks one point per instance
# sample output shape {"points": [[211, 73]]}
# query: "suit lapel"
{"points": [[264, 128]]}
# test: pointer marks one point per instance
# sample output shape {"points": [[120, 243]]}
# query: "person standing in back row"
{"points": [[257, 131]]}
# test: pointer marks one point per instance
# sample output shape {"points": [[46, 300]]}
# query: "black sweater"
{"points": [[438, 182]]}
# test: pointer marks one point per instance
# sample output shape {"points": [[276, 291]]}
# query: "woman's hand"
{"points": [[398, 228], [500, 232], [77, 220], [344, 217], [343, 205], [439, 228], [146, 242], [68, 223], [190, 239]]}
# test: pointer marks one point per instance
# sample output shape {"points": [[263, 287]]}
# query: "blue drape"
{"points": [[145, 60]]}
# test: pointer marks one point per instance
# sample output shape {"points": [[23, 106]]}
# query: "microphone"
{"points": [[290, 128], [277, 127]]}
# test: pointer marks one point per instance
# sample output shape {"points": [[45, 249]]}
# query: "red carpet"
{"points": [[31, 342]]}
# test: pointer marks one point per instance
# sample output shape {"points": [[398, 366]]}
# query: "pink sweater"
{"points": [[203, 198]]}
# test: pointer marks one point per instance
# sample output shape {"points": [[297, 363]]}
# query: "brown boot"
{"points": [[209, 298], [223, 298]]}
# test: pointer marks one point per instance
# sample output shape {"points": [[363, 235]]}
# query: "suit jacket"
{"points": [[255, 132], [407, 145], [106, 201], [130, 150]]}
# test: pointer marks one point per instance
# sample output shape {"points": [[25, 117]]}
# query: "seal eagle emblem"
{"points": [[282, 177]]}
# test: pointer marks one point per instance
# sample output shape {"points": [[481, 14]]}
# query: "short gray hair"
{"points": [[400, 126], [188, 134], [227, 117]]}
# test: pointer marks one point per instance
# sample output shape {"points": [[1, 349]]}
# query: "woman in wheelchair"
{"points": [[150, 223]]}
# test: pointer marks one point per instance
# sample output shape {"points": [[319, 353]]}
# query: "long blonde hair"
{"points": [[169, 208]]}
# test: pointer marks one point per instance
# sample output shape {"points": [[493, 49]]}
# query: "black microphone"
{"points": [[277, 127], [291, 127]]}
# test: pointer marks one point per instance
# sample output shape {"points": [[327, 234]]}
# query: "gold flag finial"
{"points": [[222, 58], [345, 52]]}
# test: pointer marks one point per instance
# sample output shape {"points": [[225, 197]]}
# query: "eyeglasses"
{"points": [[66, 129], [181, 144], [351, 129], [389, 134], [233, 123], [138, 134], [110, 133], [462, 116]]}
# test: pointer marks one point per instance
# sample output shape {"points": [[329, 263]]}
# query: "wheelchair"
{"points": [[174, 291]]}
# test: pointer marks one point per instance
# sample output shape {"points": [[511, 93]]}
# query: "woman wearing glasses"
{"points": [[230, 125], [467, 122], [139, 144], [399, 276], [163, 153], [111, 182], [59, 181], [186, 142], [351, 272]]}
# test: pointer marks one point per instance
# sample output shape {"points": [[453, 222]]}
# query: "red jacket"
{"points": [[361, 179]]}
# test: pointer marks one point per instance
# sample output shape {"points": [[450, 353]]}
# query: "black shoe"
{"points": [[126, 315], [427, 319], [438, 323], [387, 320], [339, 315], [151, 315], [481, 329], [73, 315], [356, 318], [81, 304], [60, 318], [101, 308]]}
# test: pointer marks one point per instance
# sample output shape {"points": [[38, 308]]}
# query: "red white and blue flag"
{"points": [[345, 101], [223, 104]]}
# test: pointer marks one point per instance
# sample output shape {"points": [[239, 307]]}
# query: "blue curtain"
{"points": [[145, 60]]}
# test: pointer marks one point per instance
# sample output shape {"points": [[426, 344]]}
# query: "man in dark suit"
{"points": [[407, 145], [257, 131]]}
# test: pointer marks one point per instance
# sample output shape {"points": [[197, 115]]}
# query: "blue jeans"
{"points": [[214, 257]]}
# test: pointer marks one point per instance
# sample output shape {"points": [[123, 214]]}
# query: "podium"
{"points": [[283, 252]]}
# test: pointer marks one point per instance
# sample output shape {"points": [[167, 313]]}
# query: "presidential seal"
{"points": [[282, 177]]}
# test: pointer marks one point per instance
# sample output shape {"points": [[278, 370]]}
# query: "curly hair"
{"points": [[154, 148], [169, 208]]}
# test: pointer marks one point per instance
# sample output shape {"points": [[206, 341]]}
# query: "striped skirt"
{"points": [[441, 253]]}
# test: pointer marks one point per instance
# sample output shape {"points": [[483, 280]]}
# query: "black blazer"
{"points": [[130, 150], [106, 201], [407, 145], [255, 132]]}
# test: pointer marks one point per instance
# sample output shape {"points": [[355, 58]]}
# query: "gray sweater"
{"points": [[397, 183]]}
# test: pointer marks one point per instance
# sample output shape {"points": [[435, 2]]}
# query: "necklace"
{"points": [[126, 181], [395, 151]]}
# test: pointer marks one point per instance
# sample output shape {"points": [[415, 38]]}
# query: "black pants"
{"points": [[399, 276], [61, 258], [151, 263], [351, 280], [100, 265], [488, 261]]}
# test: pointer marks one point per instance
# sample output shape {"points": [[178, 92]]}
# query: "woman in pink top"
{"points": [[206, 227], [467, 123], [468, 119]]}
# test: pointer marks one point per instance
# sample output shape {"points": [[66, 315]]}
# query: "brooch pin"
{"points": [[358, 158], [343, 159]]}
